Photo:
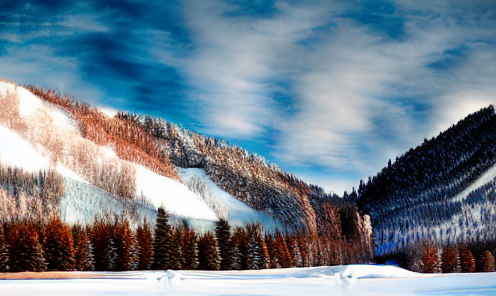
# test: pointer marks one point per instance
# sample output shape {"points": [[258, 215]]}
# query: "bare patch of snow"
{"points": [[28, 103], [15, 151], [174, 196]]}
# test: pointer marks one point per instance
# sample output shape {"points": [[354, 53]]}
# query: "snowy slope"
{"points": [[227, 206], [176, 197], [15, 151], [83, 201], [338, 280]]}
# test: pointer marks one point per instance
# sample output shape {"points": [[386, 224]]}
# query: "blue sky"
{"points": [[328, 90]]}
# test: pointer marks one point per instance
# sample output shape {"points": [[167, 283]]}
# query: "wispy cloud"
{"points": [[236, 63]]}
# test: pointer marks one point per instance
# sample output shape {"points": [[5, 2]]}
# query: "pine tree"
{"points": [[240, 240], [208, 253], [144, 248], [175, 257], [189, 243], [123, 243], [26, 252], [133, 255], [223, 235], [83, 250], [290, 243], [282, 251], [4, 252], [487, 261], [100, 240], [467, 260], [257, 257], [161, 242], [429, 258], [264, 258], [111, 254], [236, 258], [58, 246], [273, 251], [449, 260]]}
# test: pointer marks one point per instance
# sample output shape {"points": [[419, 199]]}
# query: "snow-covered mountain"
{"points": [[36, 135], [441, 193], [91, 164]]}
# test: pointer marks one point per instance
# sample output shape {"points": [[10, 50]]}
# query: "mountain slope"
{"points": [[442, 192], [126, 166]]}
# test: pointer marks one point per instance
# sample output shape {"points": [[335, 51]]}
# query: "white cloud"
{"points": [[236, 61]]}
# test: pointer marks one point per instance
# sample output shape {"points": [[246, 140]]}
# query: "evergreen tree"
{"points": [[58, 246], [83, 250], [189, 243], [298, 258], [239, 239], [282, 251], [236, 258], [449, 260], [175, 257], [467, 260], [123, 244], [257, 257], [144, 248], [4, 252], [26, 252], [111, 254], [133, 253], [100, 240], [161, 242], [290, 243], [208, 253], [273, 251], [487, 261], [429, 259], [264, 258], [223, 235]]}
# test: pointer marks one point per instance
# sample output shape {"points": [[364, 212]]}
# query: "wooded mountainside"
{"points": [[428, 196]]}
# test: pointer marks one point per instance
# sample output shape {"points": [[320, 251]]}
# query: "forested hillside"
{"points": [[105, 177], [439, 194]]}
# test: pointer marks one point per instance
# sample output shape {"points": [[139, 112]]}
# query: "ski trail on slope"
{"points": [[488, 175]]}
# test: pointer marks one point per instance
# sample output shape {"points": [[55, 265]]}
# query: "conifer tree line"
{"points": [[110, 244], [427, 257]]}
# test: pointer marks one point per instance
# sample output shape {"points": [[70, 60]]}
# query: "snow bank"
{"points": [[238, 212], [174, 196], [15, 151]]}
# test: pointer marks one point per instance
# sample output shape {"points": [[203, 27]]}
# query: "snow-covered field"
{"points": [[337, 280]]}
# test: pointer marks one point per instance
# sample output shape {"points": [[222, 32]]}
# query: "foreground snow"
{"points": [[338, 280]]}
